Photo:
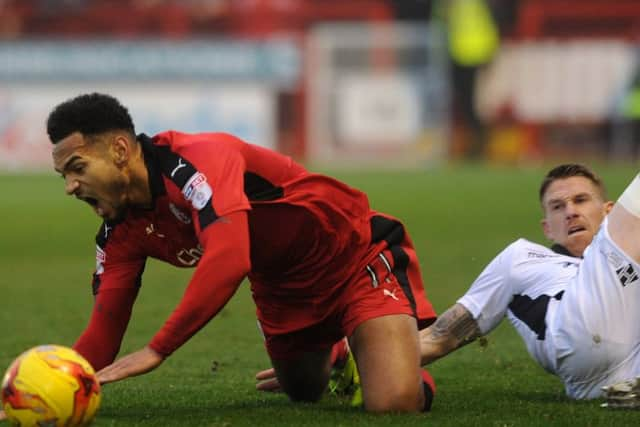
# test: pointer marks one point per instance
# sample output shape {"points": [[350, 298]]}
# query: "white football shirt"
{"points": [[578, 317]]}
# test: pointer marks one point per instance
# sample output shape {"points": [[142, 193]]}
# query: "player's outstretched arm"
{"points": [[453, 329], [3, 416]]}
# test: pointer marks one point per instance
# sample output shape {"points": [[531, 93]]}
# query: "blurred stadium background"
{"points": [[401, 83], [413, 101]]}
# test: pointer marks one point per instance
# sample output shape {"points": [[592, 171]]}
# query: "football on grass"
{"points": [[50, 385]]}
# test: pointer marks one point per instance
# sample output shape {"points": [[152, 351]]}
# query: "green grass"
{"points": [[459, 218]]}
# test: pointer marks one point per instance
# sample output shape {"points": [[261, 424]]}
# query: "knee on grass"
{"points": [[402, 399], [305, 392]]}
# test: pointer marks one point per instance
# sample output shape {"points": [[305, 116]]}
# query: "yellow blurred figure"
{"points": [[473, 35], [473, 39]]}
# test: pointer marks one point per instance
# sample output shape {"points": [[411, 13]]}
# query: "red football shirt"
{"points": [[230, 209]]}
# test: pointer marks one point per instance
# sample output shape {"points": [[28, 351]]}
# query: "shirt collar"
{"points": [[156, 183], [559, 249]]}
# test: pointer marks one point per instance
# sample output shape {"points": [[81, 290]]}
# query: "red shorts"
{"points": [[390, 283]]}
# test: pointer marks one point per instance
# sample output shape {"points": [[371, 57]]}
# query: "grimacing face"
{"points": [[574, 210], [93, 174]]}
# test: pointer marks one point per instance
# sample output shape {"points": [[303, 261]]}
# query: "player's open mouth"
{"points": [[90, 200], [575, 229], [94, 203]]}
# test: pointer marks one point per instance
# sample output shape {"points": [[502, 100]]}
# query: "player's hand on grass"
{"points": [[137, 363], [267, 381], [3, 416]]}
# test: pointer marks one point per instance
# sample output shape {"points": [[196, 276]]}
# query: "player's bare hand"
{"points": [[3, 416], [137, 363], [267, 381]]}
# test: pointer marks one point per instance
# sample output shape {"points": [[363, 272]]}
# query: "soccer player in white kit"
{"points": [[576, 304]]}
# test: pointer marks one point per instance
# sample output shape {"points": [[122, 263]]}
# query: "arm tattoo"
{"points": [[457, 323]]}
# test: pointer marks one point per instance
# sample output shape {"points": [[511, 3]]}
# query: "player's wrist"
{"points": [[158, 350]]}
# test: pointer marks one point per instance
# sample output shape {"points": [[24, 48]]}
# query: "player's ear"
{"points": [[120, 150], [608, 206], [545, 228]]}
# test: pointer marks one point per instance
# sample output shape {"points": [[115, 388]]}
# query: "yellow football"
{"points": [[50, 385]]}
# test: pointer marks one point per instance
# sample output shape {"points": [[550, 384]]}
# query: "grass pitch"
{"points": [[459, 218]]}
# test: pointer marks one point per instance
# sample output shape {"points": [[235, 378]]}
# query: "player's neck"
{"points": [[139, 189]]}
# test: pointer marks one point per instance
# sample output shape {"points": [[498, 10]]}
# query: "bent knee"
{"points": [[301, 388], [305, 392], [404, 399]]}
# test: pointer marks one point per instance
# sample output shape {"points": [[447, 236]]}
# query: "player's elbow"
{"points": [[232, 252], [240, 258]]}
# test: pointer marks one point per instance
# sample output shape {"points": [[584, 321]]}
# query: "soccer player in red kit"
{"points": [[321, 263]]}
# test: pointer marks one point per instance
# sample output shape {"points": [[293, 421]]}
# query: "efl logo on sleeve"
{"points": [[197, 190]]}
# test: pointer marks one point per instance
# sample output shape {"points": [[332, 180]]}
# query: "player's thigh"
{"points": [[301, 359], [305, 377], [387, 354]]}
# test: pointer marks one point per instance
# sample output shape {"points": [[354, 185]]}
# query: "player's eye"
{"points": [[581, 199]]}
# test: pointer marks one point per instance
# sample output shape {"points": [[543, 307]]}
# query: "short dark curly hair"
{"points": [[567, 171], [90, 114]]}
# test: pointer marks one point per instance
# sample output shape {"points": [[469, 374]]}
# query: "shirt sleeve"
{"points": [[216, 188], [489, 296], [100, 341], [116, 282], [220, 271]]}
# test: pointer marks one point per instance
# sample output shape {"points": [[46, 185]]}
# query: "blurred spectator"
{"points": [[473, 40]]}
